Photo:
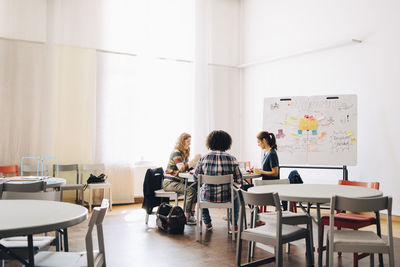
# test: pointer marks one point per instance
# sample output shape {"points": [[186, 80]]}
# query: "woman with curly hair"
{"points": [[218, 162], [179, 162]]}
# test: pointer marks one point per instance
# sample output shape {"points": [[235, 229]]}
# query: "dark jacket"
{"points": [[152, 182], [295, 178]]}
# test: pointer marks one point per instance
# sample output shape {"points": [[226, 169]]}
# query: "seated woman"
{"points": [[178, 162], [270, 162], [218, 162]]}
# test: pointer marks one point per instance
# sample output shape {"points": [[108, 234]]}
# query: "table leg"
{"points": [[31, 251], [320, 238], [184, 194], [252, 244], [66, 248]]}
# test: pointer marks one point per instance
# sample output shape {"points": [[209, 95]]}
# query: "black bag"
{"points": [[96, 179], [171, 219]]}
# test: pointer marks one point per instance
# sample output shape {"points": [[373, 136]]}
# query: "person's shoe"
{"points": [[260, 223], [209, 227], [236, 230], [191, 220]]}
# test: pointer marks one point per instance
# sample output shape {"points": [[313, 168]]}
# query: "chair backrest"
{"points": [[361, 204], [9, 169], [261, 199], [25, 187], [66, 168], [97, 218], [374, 185], [35, 190], [270, 182], [215, 179]]}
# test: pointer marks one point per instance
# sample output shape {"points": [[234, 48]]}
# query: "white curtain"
{"points": [[115, 86]]}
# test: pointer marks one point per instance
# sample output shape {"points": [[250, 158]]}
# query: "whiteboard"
{"points": [[315, 130]]}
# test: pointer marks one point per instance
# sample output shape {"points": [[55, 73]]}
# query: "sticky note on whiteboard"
{"points": [[349, 132]]}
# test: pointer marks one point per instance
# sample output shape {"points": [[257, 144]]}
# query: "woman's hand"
{"points": [[257, 171]]}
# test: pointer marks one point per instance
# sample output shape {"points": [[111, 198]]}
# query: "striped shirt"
{"points": [[176, 164], [217, 163]]}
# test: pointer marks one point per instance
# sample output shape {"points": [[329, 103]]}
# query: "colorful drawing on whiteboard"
{"points": [[308, 123], [327, 135], [322, 136], [280, 134]]}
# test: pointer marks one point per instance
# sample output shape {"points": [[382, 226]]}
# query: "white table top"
{"points": [[315, 193], [51, 182], [25, 217]]}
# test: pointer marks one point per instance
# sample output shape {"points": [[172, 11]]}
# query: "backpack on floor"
{"points": [[171, 219]]}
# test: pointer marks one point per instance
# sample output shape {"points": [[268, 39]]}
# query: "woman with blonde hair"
{"points": [[179, 162]]}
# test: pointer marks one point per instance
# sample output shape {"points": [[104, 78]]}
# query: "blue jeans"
{"points": [[206, 213]]}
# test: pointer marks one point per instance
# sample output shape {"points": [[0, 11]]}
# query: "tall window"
{"points": [[144, 79], [142, 107]]}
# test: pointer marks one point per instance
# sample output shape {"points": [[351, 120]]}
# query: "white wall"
{"points": [[223, 75], [370, 70]]}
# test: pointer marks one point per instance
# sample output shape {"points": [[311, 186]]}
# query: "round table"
{"points": [[51, 182], [28, 217], [316, 193]]}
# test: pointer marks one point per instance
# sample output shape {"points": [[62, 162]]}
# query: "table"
{"points": [[318, 194], [51, 182], [28, 217]]}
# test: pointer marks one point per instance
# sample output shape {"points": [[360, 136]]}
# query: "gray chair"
{"points": [[360, 241], [214, 180], [78, 187], [36, 190], [274, 234], [89, 258]]}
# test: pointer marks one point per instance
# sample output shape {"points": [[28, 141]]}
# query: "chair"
{"points": [[90, 258], [292, 208], [214, 180], [9, 169], [354, 221], [96, 169], [360, 241], [78, 187], [153, 192], [37, 191], [273, 234]]}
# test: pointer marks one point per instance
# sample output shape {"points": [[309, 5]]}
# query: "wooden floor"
{"points": [[129, 242]]}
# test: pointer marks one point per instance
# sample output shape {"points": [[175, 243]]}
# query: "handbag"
{"points": [[93, 179]]}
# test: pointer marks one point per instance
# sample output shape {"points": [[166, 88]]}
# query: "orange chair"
{"points": [[9, 169], [354, 221]]}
